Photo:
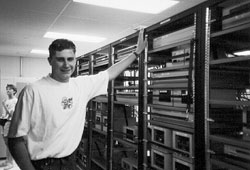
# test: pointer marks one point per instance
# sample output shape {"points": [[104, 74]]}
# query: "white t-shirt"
{"points": [[52, 114], [9, 106]]}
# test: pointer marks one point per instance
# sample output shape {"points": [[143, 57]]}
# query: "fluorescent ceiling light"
{"points": [[36, 51], [45, 52], [74, 37], [242, 53], [145, 6]]}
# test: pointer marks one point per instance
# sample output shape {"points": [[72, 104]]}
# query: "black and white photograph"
{"points": [[125, 84]]}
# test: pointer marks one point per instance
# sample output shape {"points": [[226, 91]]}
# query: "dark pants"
{"points": [[65, 163]]}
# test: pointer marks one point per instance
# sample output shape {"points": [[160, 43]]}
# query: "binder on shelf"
{"points": [[174, 113], [236, 8], [98, 121], [170, 74], [84, 73], [126, 50], [171, 38], [171, 97], [161, 135], [178, 61], [123, 53], [237, 152], [236, 15], [178, 52], [127, 99], [160, 85], [161, 159], [105, 123], [182, 51], [236, 20], [84, 66], [101, 60], [130, 133], [171, 82], [183, 142], [180, 57], [126, 95]]}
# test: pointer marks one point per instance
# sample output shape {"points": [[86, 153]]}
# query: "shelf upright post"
{"points": [[145, 108], [110, 127], [91, 116], [200, 135], [206, 86], [77, 66], [142, 122]]}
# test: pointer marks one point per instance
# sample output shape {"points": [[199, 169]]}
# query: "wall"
{"points": [[20, 71]]}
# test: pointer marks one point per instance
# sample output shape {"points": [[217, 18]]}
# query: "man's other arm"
{"points": [[19, 151]]}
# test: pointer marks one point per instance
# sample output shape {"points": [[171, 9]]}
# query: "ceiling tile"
{"points": [[24, 22], [42, 6]]}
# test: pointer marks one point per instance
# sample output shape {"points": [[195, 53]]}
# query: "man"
{"points": [[9, 107], [50, 113]]}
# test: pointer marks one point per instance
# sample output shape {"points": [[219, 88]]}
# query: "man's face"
{"points": [[63, 65], [10, 91]]}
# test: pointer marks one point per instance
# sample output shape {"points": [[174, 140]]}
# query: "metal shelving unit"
{"points": [[228, 109], [189, 95]]}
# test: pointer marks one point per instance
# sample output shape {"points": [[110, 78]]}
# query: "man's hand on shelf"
{"points": [[141, 43]]}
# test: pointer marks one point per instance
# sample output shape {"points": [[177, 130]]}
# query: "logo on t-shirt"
{"points": [[67, 103]]}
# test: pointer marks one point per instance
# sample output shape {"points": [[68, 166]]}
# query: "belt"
{"points": [[3, 121], [65, 163]]}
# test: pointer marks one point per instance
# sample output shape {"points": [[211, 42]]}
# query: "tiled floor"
{"points": [[14, 168]]}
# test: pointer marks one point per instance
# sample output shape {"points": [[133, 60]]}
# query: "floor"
{"points": [[14, 168]]}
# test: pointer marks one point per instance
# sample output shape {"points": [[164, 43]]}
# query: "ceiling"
{"points": [[23, 23]]}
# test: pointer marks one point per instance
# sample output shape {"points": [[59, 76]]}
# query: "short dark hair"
{"points": [[13, 87], [59, 45]]}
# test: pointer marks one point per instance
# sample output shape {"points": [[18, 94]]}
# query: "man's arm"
{"points": [[20, 153], [17, 142], [6, 115], [117, 68], [4, 106]]}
